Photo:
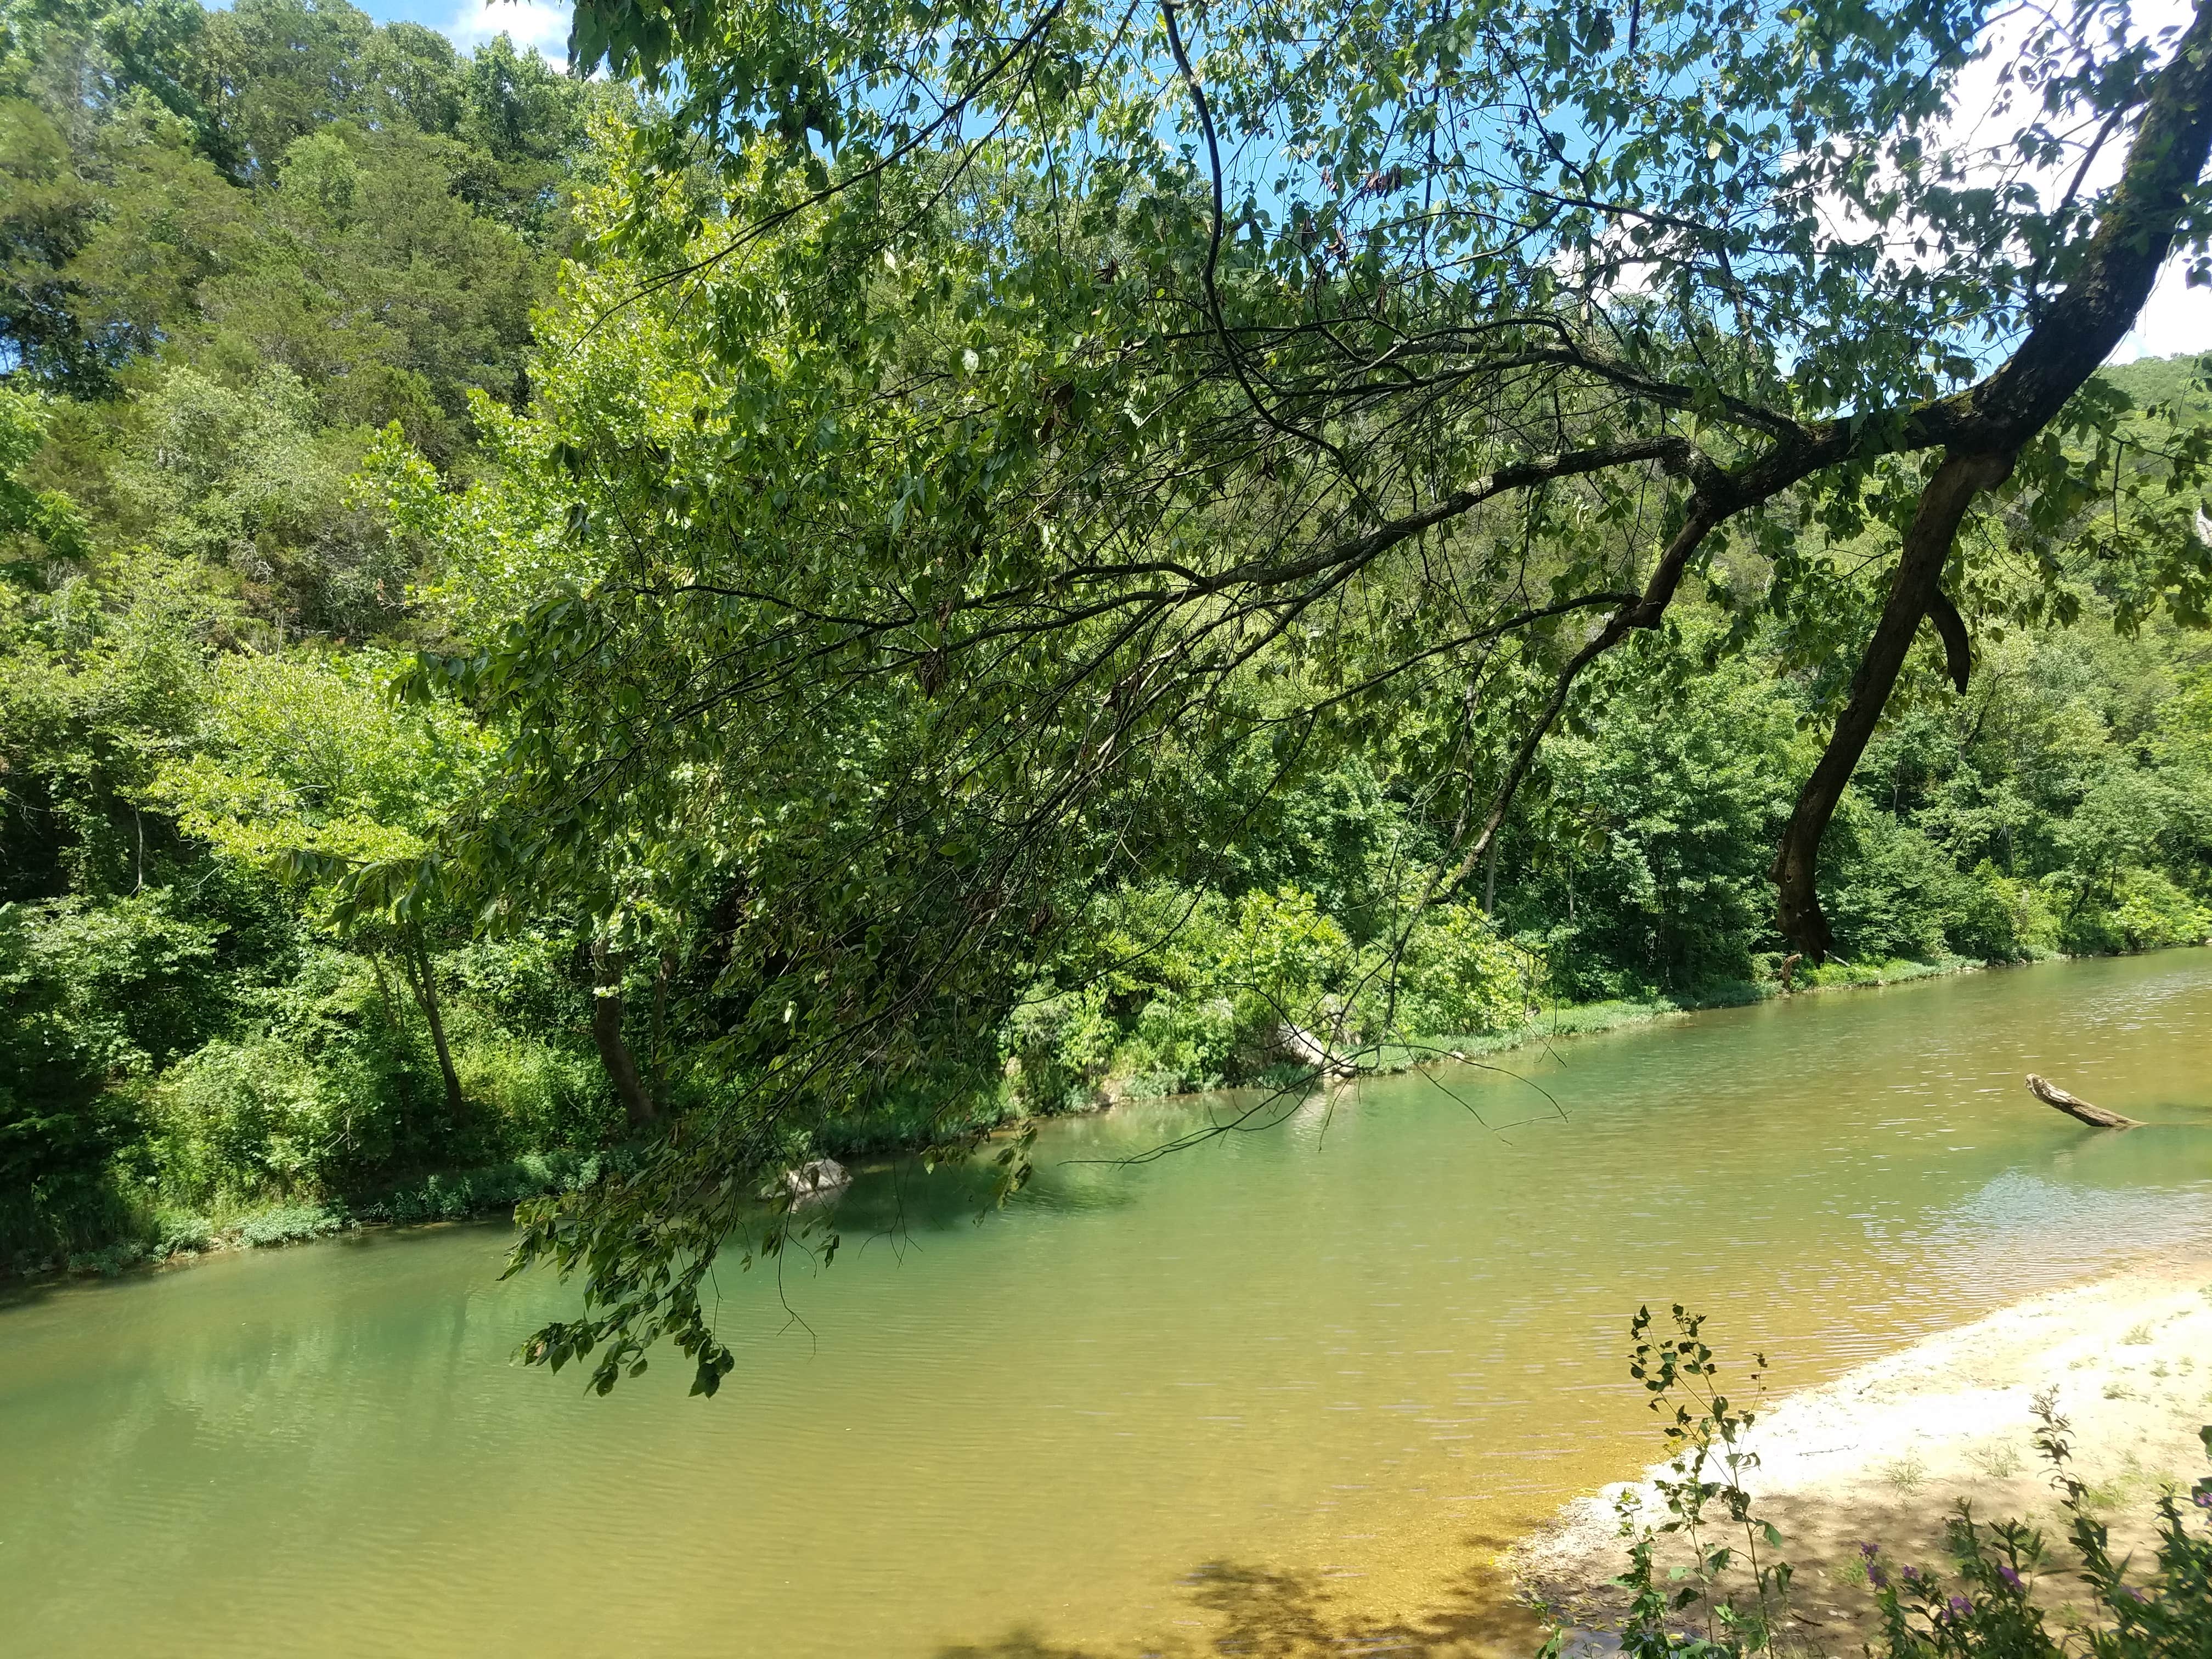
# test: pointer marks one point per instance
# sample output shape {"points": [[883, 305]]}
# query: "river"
{"points": [[1285, 1392]]}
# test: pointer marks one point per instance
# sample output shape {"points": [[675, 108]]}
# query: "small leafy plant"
{"points": [[1987, 1610], [1708, 1508]]}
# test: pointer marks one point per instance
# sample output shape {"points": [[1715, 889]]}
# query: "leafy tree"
{"points": [[149, 146], [45, 220], [1675, 300], [280, 69], [944, 622], [976, 401], [95, 999], [234, 246], [305, 770], [36, 525], [89, 700]]}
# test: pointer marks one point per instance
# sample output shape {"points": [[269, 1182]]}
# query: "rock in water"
{"points": [[815, 1178], [1308, 1050]]}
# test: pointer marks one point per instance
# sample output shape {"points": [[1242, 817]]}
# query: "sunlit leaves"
{"points": [[924, 467]]}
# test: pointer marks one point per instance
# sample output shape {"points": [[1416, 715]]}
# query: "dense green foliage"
{"points": [[466, 696], [1017, 449], [237, 246]]}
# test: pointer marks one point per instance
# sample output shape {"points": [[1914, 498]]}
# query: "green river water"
{"points": [[1285, 1392]]}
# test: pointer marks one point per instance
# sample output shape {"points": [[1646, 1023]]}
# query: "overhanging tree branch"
{"points": [[2081, 328]]}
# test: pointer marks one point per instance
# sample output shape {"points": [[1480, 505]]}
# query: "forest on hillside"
{"points": [[368, 408]]}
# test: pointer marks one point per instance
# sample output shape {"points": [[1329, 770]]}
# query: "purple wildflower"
{"points": [[1875, 1575], [2009, 1575], [2132, 1593], [1961, 1606]]}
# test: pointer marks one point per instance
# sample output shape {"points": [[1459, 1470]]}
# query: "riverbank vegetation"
{"points": [[1708, 1571], [550, 632]]}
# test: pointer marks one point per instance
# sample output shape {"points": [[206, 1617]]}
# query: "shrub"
{"points": [[1999, 919], [184, 1232], [1890, 889], [536, 1094], [1282, 960], [293, 1225], [1181, 1042], [1989, 1612], [475, 1192], [2153, 912], [1461, 978], [2137, 909], [245, 1120], [1058, 1045], [89, 996], [132, 978], [109, 1259]]}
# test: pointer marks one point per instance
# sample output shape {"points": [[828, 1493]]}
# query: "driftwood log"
{"points": [[2074, 1106]]}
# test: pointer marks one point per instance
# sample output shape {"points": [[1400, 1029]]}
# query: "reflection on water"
{"points": [[1285, 1392]]}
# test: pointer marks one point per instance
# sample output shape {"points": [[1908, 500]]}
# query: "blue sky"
{"points": [[536, 23], [2177, 320]]}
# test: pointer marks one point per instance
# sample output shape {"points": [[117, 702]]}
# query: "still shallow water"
{"points": [[1286, 1392]]}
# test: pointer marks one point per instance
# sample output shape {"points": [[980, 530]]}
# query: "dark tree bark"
{"points": [[1927, 546], [1951, 628], [607, 1032], [423, 982], [1984, 430]]}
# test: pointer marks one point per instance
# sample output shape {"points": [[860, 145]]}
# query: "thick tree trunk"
{"points": [[2073, 1106], [607, 1032], [1927, 546], [1987, 427]]}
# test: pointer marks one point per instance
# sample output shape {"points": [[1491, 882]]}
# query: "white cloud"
{"points": [[2177, 317], [536, 25]]}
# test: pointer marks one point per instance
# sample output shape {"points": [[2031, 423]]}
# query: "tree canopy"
{"points": [[983, 410], [879, 571]]}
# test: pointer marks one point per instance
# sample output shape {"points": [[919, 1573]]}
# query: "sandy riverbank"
{"points": [[1886, 1451]]}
